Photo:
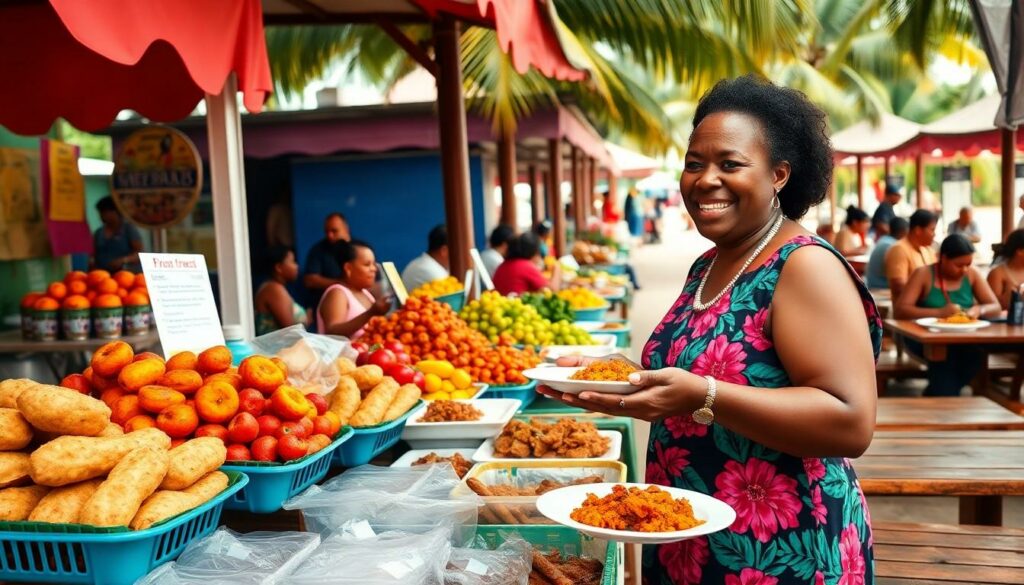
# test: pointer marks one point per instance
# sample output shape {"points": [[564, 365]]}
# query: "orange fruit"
{"points": [[77, 287], [123, 293], [46, 304], [185, 360], [126, 407], [217, 402], [139, 421], [75, 276], [95, 277], [107, 301], [156, 398], [140, 280], [106, 286], [261, 373], [111, 357], [57, 290], [184, 381], [136, 299], [29, 300], [178, 421], [125, 279], [214, 360], [141, 373], [72, 302]]}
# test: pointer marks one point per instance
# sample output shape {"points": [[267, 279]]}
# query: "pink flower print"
{"points": [[814, 469], [722, 360], [685, 560], [851, 557], [704, 321], [674, 351], [764, 500], [656, 474], [672, 459], [649, 349], [867, 513], [685, 426], [818, 509], [819, 578], [750, 577], [753, 328]]}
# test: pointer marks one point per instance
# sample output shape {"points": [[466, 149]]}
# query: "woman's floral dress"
{"points": [[797, 520]]}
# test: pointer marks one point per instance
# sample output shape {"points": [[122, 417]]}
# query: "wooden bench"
{"points": [[937, 554], [897, 365]]}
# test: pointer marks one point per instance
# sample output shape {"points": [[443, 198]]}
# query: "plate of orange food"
{"points": [[610, 376], [958, 322], [608, 511]]}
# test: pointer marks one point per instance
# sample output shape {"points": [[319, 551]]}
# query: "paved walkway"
{"points": [[661, 270]]}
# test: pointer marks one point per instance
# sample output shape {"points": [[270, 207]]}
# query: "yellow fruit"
{"points": [[442, 369], [447, 386], [461, 379], [462, 395], [437, 396], [432, 383]]}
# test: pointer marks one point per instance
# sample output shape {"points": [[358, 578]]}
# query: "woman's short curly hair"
{"points": [[795, 129]]}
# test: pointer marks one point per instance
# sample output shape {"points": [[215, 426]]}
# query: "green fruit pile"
{"points": [[550, 306], [512, 321]]}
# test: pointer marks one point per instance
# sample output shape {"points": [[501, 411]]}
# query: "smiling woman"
{"points": [[759, 382]]}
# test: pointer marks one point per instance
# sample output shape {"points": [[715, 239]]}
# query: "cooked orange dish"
{"points": [[609, 371], [647, 510], [958, 319]]}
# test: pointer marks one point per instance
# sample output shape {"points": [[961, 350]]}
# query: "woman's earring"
{"points": [[775, 200]]}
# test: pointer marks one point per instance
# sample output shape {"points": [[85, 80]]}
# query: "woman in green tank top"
{"points": [[275, 307], [943, 289]]}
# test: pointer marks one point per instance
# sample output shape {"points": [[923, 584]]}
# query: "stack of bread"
{"points": [[365, 397]]}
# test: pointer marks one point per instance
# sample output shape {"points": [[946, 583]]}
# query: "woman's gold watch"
{"points": [[704, 415]]}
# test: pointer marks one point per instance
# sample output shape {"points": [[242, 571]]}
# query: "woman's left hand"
{"points": [[663, 393]]}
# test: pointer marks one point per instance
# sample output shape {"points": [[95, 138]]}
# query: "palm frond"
{"points": [[920, 26]]}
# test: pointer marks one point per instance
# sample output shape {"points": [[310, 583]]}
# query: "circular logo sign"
{"points": [[157, 177]]}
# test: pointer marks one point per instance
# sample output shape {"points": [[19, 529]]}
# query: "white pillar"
{"points": [[231, 228]]}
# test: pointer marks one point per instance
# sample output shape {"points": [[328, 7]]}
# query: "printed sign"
{"points": [[182, 300], [395, 281], [157, 177]]}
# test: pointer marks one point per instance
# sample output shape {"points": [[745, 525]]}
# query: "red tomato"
{"points": [[420, 380], [360, 347], [363, 358], [403, 358], [292, 447], [402, 374], [264, 449], [395, 346], [382, 358]]}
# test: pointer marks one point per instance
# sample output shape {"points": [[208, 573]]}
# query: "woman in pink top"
{"points": [[520, 273], [346, 308]]}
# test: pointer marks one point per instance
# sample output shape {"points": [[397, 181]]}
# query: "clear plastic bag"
{"points": [[256, 558], [390, 558], [509, 564], [311, 358], [413, 500]]}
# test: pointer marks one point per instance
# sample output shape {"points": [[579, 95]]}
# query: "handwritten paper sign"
{"points": [[182, 300], [67, 188], [395, 280]]}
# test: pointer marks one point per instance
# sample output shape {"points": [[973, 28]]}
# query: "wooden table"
{"points": [[934, 554], [979, 467], [936, 343], [955, 413]]}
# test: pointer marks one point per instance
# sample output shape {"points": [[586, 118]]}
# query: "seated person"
{"points": [[520, 272], [852, 237], [275, 307], [543, 231], [495, 254], [912, 252], [965, 226], [946, 288], [431, 265], [322, 268], [346, 307], [895, 231], [1008, 276], [117, 243]]}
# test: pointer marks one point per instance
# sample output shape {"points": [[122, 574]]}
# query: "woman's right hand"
{"points": [[381, 306], [949, 310]]}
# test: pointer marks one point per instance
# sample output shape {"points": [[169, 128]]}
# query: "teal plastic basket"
{"points": [[595, 314], [614, 269], [524, 393], [456, 300], [366, 443], [36, 552], [622, 336], [566, 540], [270, 484]]}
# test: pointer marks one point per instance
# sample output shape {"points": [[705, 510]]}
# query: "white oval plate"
{"points": [[425, 435], [557, 378], [933, 323], [556, 505]]}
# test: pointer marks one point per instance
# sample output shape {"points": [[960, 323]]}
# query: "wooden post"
{"points": [[579, 217], [507, 175], [887, 169], [613, 185], [224, 133], [919, 171], [860, 182], [555, 195], [545, 179], [451, 107], [536, 196], [592, 193], [1009, 157]]}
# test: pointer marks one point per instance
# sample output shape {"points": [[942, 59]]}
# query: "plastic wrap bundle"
{"points": [[509, 564], [226, 557], [354, 557], [310, 358]]}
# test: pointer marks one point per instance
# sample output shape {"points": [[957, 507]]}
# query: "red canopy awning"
{"points": [[87, 61]]}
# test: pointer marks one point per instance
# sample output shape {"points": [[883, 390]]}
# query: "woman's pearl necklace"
{"points": [[701, 306]]}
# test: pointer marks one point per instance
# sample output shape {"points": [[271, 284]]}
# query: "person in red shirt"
{"points": [[520, 272]]}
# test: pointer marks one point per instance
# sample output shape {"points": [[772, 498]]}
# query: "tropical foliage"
{"points": [[650, 59]]}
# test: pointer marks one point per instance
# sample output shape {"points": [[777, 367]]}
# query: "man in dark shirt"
{"points": [[885, 211], [117, 243], [322, 268]]}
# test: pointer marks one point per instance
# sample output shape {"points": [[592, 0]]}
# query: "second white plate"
{"points": [[426, 435], [557, 377]]}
